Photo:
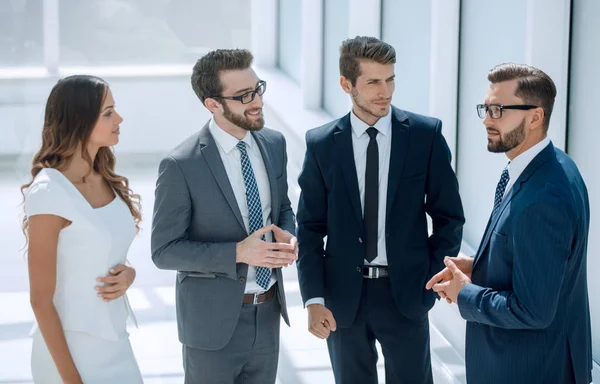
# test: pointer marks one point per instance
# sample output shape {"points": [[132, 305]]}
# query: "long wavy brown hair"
{"points": [[72, 111]]}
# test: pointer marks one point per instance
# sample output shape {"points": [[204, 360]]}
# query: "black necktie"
{"points": [[371, 195]]}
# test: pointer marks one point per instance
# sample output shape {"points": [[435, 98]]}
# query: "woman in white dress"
{"points": [[80, 219]]}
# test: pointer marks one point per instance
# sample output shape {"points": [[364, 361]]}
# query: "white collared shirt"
{"points": [[519, 163], [360, 142], [231, 158]]}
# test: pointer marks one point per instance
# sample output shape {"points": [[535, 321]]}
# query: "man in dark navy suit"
{"points": [[368, 182], [524, 295]]}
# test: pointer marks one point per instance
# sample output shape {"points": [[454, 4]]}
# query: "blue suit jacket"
{"points": [[527, 311], [421, 180]]}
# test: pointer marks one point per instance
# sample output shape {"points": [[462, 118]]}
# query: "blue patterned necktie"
{"points": [[263, 274], [500, 188]]}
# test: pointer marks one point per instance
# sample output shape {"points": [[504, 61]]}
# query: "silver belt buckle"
{"points": [[255, 301], [373, 273]]}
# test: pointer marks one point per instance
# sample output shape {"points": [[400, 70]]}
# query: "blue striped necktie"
{"points": [[500, 188], [263, 274]]}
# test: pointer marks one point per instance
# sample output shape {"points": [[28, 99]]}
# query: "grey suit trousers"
{"points": [[250, 357]]}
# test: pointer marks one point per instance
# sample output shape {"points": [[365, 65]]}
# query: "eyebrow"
{"points": [[247, 89], [107, 107], [373, 79]]}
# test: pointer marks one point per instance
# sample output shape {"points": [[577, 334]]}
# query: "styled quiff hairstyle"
{"points": [[535, 87], [352, 51]]}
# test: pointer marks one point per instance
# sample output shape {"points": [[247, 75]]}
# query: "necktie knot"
{"points": [[241, 146], [372, 132]]}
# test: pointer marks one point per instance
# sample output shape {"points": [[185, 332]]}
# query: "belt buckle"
{"points": [[255, 300], [373, 273]]}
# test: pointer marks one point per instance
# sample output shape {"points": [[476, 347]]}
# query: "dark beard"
{"points": [[509, 141], [363, 107], [242, 121]]}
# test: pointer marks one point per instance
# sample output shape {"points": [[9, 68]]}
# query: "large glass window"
{"points": [[145, 49], [412, 40], [288, 56], [21, 33], [130, 32], [335, 30], [484, 43]]}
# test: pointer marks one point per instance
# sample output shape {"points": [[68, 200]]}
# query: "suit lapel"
{"points": [[494, 220], [540, 159], [398, 152], [208, 150], [343, 147], [263, 142]]}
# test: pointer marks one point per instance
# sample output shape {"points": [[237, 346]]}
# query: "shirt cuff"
{"points": [[315, 300]]}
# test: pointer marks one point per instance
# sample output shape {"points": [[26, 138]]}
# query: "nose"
{"points": [[119, 118], [386, 90], [487, 120], [383, 91], [257, 102]]}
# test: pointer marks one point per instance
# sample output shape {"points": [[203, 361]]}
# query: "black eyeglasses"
{"points": [[495, 110], [247, 97]]}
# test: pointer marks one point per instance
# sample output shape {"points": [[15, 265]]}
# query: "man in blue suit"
{"points": [[368, 181], [524, 295]]}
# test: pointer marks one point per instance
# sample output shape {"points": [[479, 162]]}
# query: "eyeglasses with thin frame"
{"points": [[247, 97], [495, 110]]}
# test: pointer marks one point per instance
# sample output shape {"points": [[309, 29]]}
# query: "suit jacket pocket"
{"points": [[417, 177], [499, 235], [499, 243], [182, 275]]}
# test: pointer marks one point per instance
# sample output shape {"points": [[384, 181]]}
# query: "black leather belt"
{"points": [[374, 272]]}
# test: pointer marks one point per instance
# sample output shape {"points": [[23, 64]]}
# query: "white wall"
{"points": [[584, 136]]}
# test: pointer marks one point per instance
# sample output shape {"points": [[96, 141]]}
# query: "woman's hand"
{"points": [[116, 283]]}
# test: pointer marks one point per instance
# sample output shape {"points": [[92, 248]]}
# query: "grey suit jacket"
{"points": [[196, 226]]}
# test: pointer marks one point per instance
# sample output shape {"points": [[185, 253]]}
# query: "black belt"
{"points": [[374, 272]]}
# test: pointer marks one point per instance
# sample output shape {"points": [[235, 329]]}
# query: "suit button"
{"points": [[360, 240], [387, 235], [359, 269], [242, 280]]}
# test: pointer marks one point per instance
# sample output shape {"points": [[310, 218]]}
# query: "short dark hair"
{"points": [[363, 48], [205, 76], [535, 87]]}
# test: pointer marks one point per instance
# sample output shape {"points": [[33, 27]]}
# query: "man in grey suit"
{"points": [[223, 221]]}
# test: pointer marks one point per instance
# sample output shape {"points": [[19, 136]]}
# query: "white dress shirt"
{"points": [[360, 141], [231, 158], [519, 163]]}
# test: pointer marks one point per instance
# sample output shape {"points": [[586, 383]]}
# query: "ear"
{"points": [[537, 118], [346, 85], [212, 105]]}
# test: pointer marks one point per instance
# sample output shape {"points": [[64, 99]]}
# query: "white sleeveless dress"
{"points": [[97, 240]]}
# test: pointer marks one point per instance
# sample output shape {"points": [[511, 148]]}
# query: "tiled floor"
{"points": [[303, 358]]}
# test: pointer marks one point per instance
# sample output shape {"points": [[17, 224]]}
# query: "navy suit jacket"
{"points": [[421, 181], [527, 311]]}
